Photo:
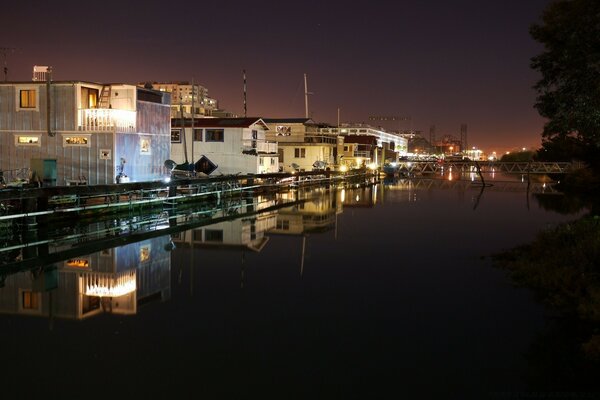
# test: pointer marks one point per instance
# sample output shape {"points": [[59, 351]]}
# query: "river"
{"points": [[384, 291]]}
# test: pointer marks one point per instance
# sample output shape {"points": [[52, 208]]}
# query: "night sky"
{"points": [[434, 62]]}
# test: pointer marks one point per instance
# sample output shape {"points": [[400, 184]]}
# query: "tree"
{"points": [[568, 94]]}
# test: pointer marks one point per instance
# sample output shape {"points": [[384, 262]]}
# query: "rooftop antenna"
{"points": [[5, 51], [245, 109]]}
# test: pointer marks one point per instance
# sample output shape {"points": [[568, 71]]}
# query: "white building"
{"points": [[301, 144], [235, 145]]}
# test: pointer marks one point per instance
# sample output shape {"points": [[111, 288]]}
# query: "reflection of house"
{"points": [[364, 196], [235, 145], [301, 144], [315, 215], [86, 133], [114, 280], [243, 233]]}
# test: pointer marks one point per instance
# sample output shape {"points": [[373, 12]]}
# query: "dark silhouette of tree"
{"points": [[568, 94]]}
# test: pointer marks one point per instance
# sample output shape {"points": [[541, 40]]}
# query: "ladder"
{"points": [[104, 97]]}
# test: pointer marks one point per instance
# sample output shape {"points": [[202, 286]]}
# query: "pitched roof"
{"points": [[289, 120], [219, 122]]}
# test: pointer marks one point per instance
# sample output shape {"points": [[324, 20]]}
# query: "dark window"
{"points": [[197, 135], [300, 153], [176, 136], [30, 301], [215, 135], [27, 98], [213, 235]]}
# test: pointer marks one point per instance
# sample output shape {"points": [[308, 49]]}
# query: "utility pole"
{"points": [[5, 51], [193, 130]]}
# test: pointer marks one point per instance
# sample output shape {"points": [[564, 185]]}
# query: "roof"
{"points": [[219, 122], [289, 121]]}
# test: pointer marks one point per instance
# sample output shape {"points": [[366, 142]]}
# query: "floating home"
{"points": [[234, 145], [88, 133]]}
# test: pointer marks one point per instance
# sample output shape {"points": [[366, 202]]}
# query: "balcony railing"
{"points": [[259, 146], [105, 119]]}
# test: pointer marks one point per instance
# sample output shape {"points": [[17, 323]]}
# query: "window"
{"points": [[300, 152], [215, 135], [272, 161], [261, 161], [213, 235], [31, 300], [346, 148], [28, 140], [89, 97], [76, 140], [145, 147], [78, 263], [28, 98], [145, 253], [176, 136], [197, 135], [283, 225]]}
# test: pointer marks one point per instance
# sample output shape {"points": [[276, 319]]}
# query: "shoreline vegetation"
{"points": [[562, 268]]}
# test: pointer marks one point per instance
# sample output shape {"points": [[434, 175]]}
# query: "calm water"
{"points": [[376, 292]]}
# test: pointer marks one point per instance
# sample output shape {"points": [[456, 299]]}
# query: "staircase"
{"points": [[104, 97]]}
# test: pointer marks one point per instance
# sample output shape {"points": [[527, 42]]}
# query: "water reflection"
{"points": [[362, 288], [114, 281]]}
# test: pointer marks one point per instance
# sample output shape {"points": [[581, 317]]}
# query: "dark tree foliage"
{"points": [[568, 94]]}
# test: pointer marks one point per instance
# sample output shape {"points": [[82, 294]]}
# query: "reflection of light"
{"points": [[343, 195], [357, 198], [167, 179], [102, 285], [450, 176]]}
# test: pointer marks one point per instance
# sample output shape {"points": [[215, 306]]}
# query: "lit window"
{"points": [[27, 140], [28, 97], [144, 253], [77, 141], [31, 300], [78, 263]]}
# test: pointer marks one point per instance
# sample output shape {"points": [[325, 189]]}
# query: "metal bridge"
{"points": [[533, 167]]}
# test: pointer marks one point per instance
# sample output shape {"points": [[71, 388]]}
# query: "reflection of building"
{"points": [[235, 145], [114, 280], [243, 233], [315, 215], [301, 144], [364, 196], [92, 130]]}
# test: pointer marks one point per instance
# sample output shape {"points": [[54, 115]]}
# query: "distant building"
{"points": [[365, 144], [235, 145], [185, 96], [88, 133], [301, 144]]}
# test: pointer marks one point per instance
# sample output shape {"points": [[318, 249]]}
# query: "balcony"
{"points": [[104, 119], [259, 147]]}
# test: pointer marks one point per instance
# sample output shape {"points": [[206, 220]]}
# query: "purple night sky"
{"points": [[438, 62]]}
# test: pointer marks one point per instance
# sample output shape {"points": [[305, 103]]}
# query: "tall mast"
{"points": [[305, 97], [245, 109], [193, 111]]}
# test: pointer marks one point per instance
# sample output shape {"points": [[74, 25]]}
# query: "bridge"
{"points": [[532, 167]]}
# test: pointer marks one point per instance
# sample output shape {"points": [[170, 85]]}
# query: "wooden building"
{"points": [[88, 133]]}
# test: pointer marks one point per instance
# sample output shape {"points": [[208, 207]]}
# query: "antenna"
{"points": [[245, 109], [5, 51]]}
